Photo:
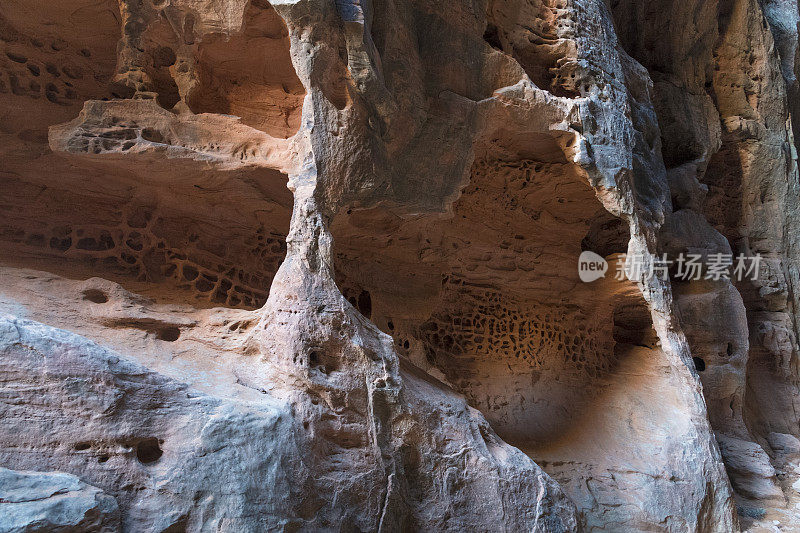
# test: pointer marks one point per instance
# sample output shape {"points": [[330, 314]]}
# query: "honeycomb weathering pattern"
{"points": [[313, 265]]}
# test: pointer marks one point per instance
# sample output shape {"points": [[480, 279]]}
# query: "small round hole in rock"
{"points": [[95, 296], [102, 458], [699, 364], [82, 446], [168, 334], [148, 451]]}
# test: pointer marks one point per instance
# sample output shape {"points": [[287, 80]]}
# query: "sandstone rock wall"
{"points": [[312, 264]]}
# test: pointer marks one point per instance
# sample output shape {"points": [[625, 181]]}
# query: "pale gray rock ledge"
{"points": [[53, 502], [177, 459]]}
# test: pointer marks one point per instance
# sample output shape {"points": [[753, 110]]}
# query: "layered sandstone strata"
{"points": [[307, 264]]}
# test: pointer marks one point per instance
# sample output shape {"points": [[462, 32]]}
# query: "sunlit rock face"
{"points": [[312, 265]]}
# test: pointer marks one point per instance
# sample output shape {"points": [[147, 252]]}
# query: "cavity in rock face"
{"points": [[310, 265]]}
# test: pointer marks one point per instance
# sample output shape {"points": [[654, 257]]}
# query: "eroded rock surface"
{"points": [[53, 502], [312, 264]]}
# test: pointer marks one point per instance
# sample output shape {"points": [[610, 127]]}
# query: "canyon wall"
{"points": [[311, 265]]}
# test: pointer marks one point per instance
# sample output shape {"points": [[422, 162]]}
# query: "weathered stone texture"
{"points": [[311, 265]]}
